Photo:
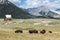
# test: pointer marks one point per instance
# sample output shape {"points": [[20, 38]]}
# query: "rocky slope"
{"points": [[43, 11]]}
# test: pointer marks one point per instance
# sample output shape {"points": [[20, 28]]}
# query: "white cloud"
{"points": [[15, 1], [34, 3], [55, 4], [37, 3], [31, 3]]}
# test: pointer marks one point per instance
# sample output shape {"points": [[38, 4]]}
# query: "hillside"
{"points": [[44, 11], [16, 12]]}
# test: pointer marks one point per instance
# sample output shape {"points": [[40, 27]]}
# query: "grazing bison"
{"points": [[33, 31], [18, 31], [43, 31], [50, 31]]}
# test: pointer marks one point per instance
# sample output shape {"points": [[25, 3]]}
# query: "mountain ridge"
{"points": [[13, 10], [44, 11]]}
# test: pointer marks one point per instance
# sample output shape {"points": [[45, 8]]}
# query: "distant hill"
{"points": [[43, 11], [16, 12], [36, 11]]}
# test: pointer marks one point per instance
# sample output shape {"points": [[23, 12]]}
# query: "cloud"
{"points": [[37, 3], [34, 3], [31, 3], [15, 1], [56, 4]]}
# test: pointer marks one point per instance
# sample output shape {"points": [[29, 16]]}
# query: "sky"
{"points": [[53, 4]]}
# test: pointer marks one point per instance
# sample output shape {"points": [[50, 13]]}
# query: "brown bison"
{"points": [[50, 31], [18, 31], [43, 31], [33, 31]]}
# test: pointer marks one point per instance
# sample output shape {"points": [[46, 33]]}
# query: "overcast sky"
{"points": [[36, 3]]}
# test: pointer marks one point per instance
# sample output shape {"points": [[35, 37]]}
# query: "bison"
{"points": [[50, 31], [18, 31], [43, 31], [33, 31]]}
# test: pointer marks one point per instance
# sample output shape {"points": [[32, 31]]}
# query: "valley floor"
{"points": [[7, 29]]}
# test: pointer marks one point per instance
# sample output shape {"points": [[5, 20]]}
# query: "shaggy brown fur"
{"points": [[33, 31], [50, 31], [43, 31], [18, 31]]}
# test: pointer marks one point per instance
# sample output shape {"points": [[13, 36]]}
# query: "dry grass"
{"points": [[7, 29], [10, 35]]}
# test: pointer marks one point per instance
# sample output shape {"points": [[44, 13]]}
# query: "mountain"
{"points": [[58, 10], [43, 11], [10, 8], [36, 11]]}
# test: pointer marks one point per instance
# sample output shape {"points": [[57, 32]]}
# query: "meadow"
{"points": [[7, 29]]}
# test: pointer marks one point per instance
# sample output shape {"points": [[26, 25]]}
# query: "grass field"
{"points": [[7, 29]]}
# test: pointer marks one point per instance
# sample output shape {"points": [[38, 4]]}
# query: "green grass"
{"points": [[7, 29]]}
